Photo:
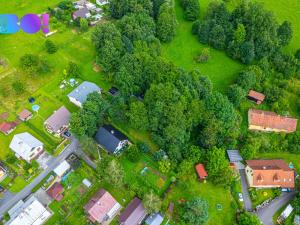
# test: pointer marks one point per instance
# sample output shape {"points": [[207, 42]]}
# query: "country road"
{"points": [[52, 164]]}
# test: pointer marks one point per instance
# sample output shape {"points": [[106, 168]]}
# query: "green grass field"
{"points": [[212, 194], [220, 68]]}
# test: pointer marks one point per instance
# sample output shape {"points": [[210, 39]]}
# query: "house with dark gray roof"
{"points": [[134, 214], [79, 95], [111, 139], [58, 121], [82, 13]]}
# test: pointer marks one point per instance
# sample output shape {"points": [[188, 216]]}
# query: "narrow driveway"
{"points": [[246, 195], [266, 214], [52, 164]]}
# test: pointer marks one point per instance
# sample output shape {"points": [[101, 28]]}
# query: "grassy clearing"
{"points": [[220, 69], [212, 194]]}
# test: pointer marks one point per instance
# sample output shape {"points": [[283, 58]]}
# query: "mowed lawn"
{"points": [[220, 68], [213, 194]]}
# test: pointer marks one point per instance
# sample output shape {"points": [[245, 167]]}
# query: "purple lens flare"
{"points": [[30, 23], [45, 19]]}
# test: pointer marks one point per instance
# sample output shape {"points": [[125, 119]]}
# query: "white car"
{"points": [[241, 197]]}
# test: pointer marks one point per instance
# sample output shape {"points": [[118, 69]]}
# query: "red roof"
{"points": [[6, 127], [24, 114], [271, 173], [265, 120], [256, 95], [99, 205], [55, 191], [201, 171]]}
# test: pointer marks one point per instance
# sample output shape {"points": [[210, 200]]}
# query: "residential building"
{"points": [[102, 2], [58, 121], [81, 13], [134, 214], [201, 172], [55, 191], [79, 95], [7, 127], [3, 172], [62, 169], [154, 219], [269, 174], [30, 212], [26, 146], [256, 97], [102, 207], [25, 115], [270, 121], [111, 139]]}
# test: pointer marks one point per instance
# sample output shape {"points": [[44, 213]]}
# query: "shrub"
{"points": [[50, 47]]}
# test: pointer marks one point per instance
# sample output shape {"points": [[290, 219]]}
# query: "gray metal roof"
{"points": [[83, 90], [234, 156], [154, 219]]}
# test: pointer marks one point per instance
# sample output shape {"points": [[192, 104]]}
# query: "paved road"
{"points": [[52, 164], [266, 214], [246, 196]]}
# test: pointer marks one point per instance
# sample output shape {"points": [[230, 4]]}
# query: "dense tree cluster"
{"points": [[247, 33], [175, 102], [247, 218], [194, 212], [85, 122], [191, 9], [33, 64]]}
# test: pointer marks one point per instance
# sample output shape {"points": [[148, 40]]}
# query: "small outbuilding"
{"points": [[202, 174], [256, 97], [55, 191], [25, 115]]}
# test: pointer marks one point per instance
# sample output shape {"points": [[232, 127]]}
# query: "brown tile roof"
{"points": [[256, 95], [134, 213], [55, 191], [24, 114], [270, 120], [201, 171], [272, 173]]}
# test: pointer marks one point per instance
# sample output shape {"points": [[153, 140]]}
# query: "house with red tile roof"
{"points": [[256, 97], [55, 191], [202, 174], [134, 214], [101, 207], [7, 127], [25, 115], [269, 174], [270, 121]]}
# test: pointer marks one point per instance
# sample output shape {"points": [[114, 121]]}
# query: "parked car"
{"points": [[286, 189], [240, 197]]}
